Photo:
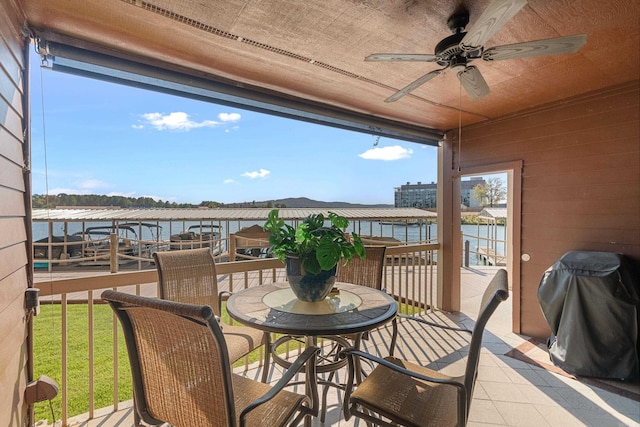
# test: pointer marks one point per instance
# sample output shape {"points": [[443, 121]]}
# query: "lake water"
{"points": [[411, 233]]}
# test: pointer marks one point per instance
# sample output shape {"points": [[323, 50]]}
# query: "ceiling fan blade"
{"points": [[473, 82], [498, 13], [422, 80], [555, 46], [418, 57]]}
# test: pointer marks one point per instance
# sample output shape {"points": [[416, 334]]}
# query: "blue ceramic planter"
{"points": [[306, 286]]}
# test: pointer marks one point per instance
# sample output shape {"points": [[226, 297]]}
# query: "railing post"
{"points": [[232, 247], [49, 248], [113, 252], [466, 253]]}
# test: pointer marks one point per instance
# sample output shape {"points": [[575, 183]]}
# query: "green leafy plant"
{"points": [[318, 246]]}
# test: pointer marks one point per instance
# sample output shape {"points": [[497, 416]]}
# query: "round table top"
{"points": [[274, 308]]}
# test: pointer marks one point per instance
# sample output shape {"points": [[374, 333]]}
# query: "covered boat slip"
{"points": [[492, 218], [230, 233]]}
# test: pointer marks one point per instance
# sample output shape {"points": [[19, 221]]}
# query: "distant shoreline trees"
{"points": [[62, 199]]}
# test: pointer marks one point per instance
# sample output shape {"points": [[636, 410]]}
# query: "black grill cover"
{"points": [[591, 301]]}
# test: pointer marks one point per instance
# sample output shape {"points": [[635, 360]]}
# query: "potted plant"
{"points": [[311, 251]]}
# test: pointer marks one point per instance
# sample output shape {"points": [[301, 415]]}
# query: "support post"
{"points": [[113, 252], [466, 253]]}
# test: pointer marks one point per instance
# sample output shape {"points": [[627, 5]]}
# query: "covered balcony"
{"points": [[564, 128]]}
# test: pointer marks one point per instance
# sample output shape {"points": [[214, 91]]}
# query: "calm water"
{"points": [[411, 233]]}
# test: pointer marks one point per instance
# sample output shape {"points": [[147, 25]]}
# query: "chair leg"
{"points": [[394, 336], [325, 391], [137, 422], [358, 375], [323, 408], [266, 367]]}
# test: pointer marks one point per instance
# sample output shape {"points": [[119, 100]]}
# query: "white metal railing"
{"points": [[409, 275], [487, 249]]}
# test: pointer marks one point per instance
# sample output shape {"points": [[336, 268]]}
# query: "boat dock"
{"points": [[490, 257]]}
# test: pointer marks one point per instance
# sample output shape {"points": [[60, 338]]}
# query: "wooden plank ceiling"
{"points": [[315, 49]]}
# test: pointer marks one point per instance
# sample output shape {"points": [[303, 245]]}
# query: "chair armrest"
{"points": [[437, 325], [223, 295], [308, 356], [352, 351]]}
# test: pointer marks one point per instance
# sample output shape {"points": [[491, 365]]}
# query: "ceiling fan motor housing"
{"points": [[448, 48], [458, 64]]}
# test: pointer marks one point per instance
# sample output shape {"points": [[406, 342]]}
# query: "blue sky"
{"points": [[103, 138]]}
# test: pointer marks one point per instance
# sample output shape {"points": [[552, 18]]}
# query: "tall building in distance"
{"points": [[424, 196], [418, 195]]}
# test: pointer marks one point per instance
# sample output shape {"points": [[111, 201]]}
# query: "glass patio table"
{"points": [[351, 310]]}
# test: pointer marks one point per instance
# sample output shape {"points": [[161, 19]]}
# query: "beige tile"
{"points": [[479, 392], [576, 400], [559, 416], [489, 359], [497, 347], [521, 415], [628, 407], [493, 374], [485, 412], [602, 419], [539, 395], [504, 392], [513, 363], [525, 376]]}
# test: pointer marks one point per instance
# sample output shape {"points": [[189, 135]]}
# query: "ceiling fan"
{"points": [[457, 51]]}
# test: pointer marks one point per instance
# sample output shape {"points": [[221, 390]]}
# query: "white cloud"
{"points": [[179, 120], [229, 117], [257, 174], [176, 121], [88, 186], [393, 152], [121, 194], [229, 181], [134, 194], [158, 198], [91, 184]]}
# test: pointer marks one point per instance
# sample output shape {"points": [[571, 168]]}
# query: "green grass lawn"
{"points": [[47, 343], [47, 348]]}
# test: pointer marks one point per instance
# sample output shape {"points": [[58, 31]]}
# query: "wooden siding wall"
{"points": [[13, 235], [580, 180]]}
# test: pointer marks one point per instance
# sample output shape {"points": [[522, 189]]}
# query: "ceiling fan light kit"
{"points": [[455, 52]]}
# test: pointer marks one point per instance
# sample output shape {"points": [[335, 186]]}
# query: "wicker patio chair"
{"points": [[364, 272], [408, 394], [182, 373], [189, 276]]}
